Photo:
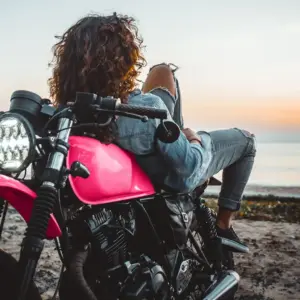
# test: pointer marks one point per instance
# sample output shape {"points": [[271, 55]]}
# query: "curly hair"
{"points": [[98, 54]]}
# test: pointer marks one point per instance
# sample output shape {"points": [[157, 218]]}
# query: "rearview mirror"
{"points": [[167, 132]]}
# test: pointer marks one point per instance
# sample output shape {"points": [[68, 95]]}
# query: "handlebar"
{"points": [[87, 104], [152, 113], [109, 105]]}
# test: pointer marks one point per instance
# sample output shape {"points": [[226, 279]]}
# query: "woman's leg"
{"points": [[233, 152], [233, 149], [161, 81], [160, 76]]}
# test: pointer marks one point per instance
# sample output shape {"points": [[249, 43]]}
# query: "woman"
{"points": [[102, 55]]}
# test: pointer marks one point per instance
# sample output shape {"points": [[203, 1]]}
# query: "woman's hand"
{"points": [[191, 135]]}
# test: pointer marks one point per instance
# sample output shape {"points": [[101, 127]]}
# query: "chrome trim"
{"points": [[226, 281], [234, 245], [56, 159]]}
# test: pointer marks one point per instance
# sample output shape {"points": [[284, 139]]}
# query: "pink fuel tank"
{"points": [[114, 173]]}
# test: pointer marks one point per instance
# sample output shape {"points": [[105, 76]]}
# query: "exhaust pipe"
{"points": [[226, 281]]}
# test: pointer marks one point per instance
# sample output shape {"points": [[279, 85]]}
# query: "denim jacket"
{"points": [[180, 165]]}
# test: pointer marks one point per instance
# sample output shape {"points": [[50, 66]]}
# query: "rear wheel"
{"points": [[8, 275]]}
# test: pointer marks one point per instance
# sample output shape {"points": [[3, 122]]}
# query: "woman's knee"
{"points": [[160, 76], [251, 142]]}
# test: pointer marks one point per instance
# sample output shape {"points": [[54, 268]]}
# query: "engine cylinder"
{"points": [[106, 236]]}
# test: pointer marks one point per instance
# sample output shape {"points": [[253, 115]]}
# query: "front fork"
{"points": [[33, 242], [47, 194]]}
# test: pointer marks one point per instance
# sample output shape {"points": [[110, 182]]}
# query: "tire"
{"points": [[8, 275]]}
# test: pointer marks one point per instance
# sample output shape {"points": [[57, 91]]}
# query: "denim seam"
{"points": [[237, 204], [249, 146], [249, 138], [250, 142], [161, 88]]}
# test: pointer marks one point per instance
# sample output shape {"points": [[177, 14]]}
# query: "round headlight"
{"points": [[17, 143]]}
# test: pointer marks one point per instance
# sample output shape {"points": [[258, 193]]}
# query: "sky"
{"points": [[239, 59]]}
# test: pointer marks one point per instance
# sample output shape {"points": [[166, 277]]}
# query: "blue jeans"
{"points": [[233, 152]]}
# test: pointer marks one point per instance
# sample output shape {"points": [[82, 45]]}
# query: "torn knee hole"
{"points": [[246, 133]]}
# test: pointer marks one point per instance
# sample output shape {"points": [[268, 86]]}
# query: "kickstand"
{"points": [[4, 205]]}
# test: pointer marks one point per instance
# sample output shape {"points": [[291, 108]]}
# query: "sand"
{"points": [[270, 271]]}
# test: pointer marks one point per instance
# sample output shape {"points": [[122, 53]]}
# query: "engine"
{"points": [[104, 232], [111, 269]]}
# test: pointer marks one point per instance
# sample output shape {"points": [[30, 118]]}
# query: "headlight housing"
{"points": [[17, 143]]}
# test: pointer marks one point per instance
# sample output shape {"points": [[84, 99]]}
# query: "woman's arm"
{"points": [[185, 160], [184, 157]]}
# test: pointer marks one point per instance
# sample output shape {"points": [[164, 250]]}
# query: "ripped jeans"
{"points": [[233, 151]]}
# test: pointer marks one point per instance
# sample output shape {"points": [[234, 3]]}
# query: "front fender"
{"points": [[21, 198]]}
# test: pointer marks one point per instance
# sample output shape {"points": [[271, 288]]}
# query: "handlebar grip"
{"points": [[150, 112]]}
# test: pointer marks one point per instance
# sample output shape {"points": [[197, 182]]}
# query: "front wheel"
{"points": [[8, 275]]}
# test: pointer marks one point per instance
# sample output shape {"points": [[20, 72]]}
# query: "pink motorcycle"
{"points": [[117, 235]]}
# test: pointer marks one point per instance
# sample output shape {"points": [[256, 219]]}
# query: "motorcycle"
{"points": [[118, 236]]}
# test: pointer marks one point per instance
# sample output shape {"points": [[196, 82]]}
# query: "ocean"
{"points": [[276, 170]]}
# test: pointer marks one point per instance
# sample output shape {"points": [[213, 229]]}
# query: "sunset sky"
{"points": [[239, 59]]}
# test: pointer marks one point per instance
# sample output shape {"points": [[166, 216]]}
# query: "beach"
{"points": [[271, 271]]}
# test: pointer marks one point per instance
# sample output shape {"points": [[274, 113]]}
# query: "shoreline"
{"points": [[259, 208], [261, 192]]}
